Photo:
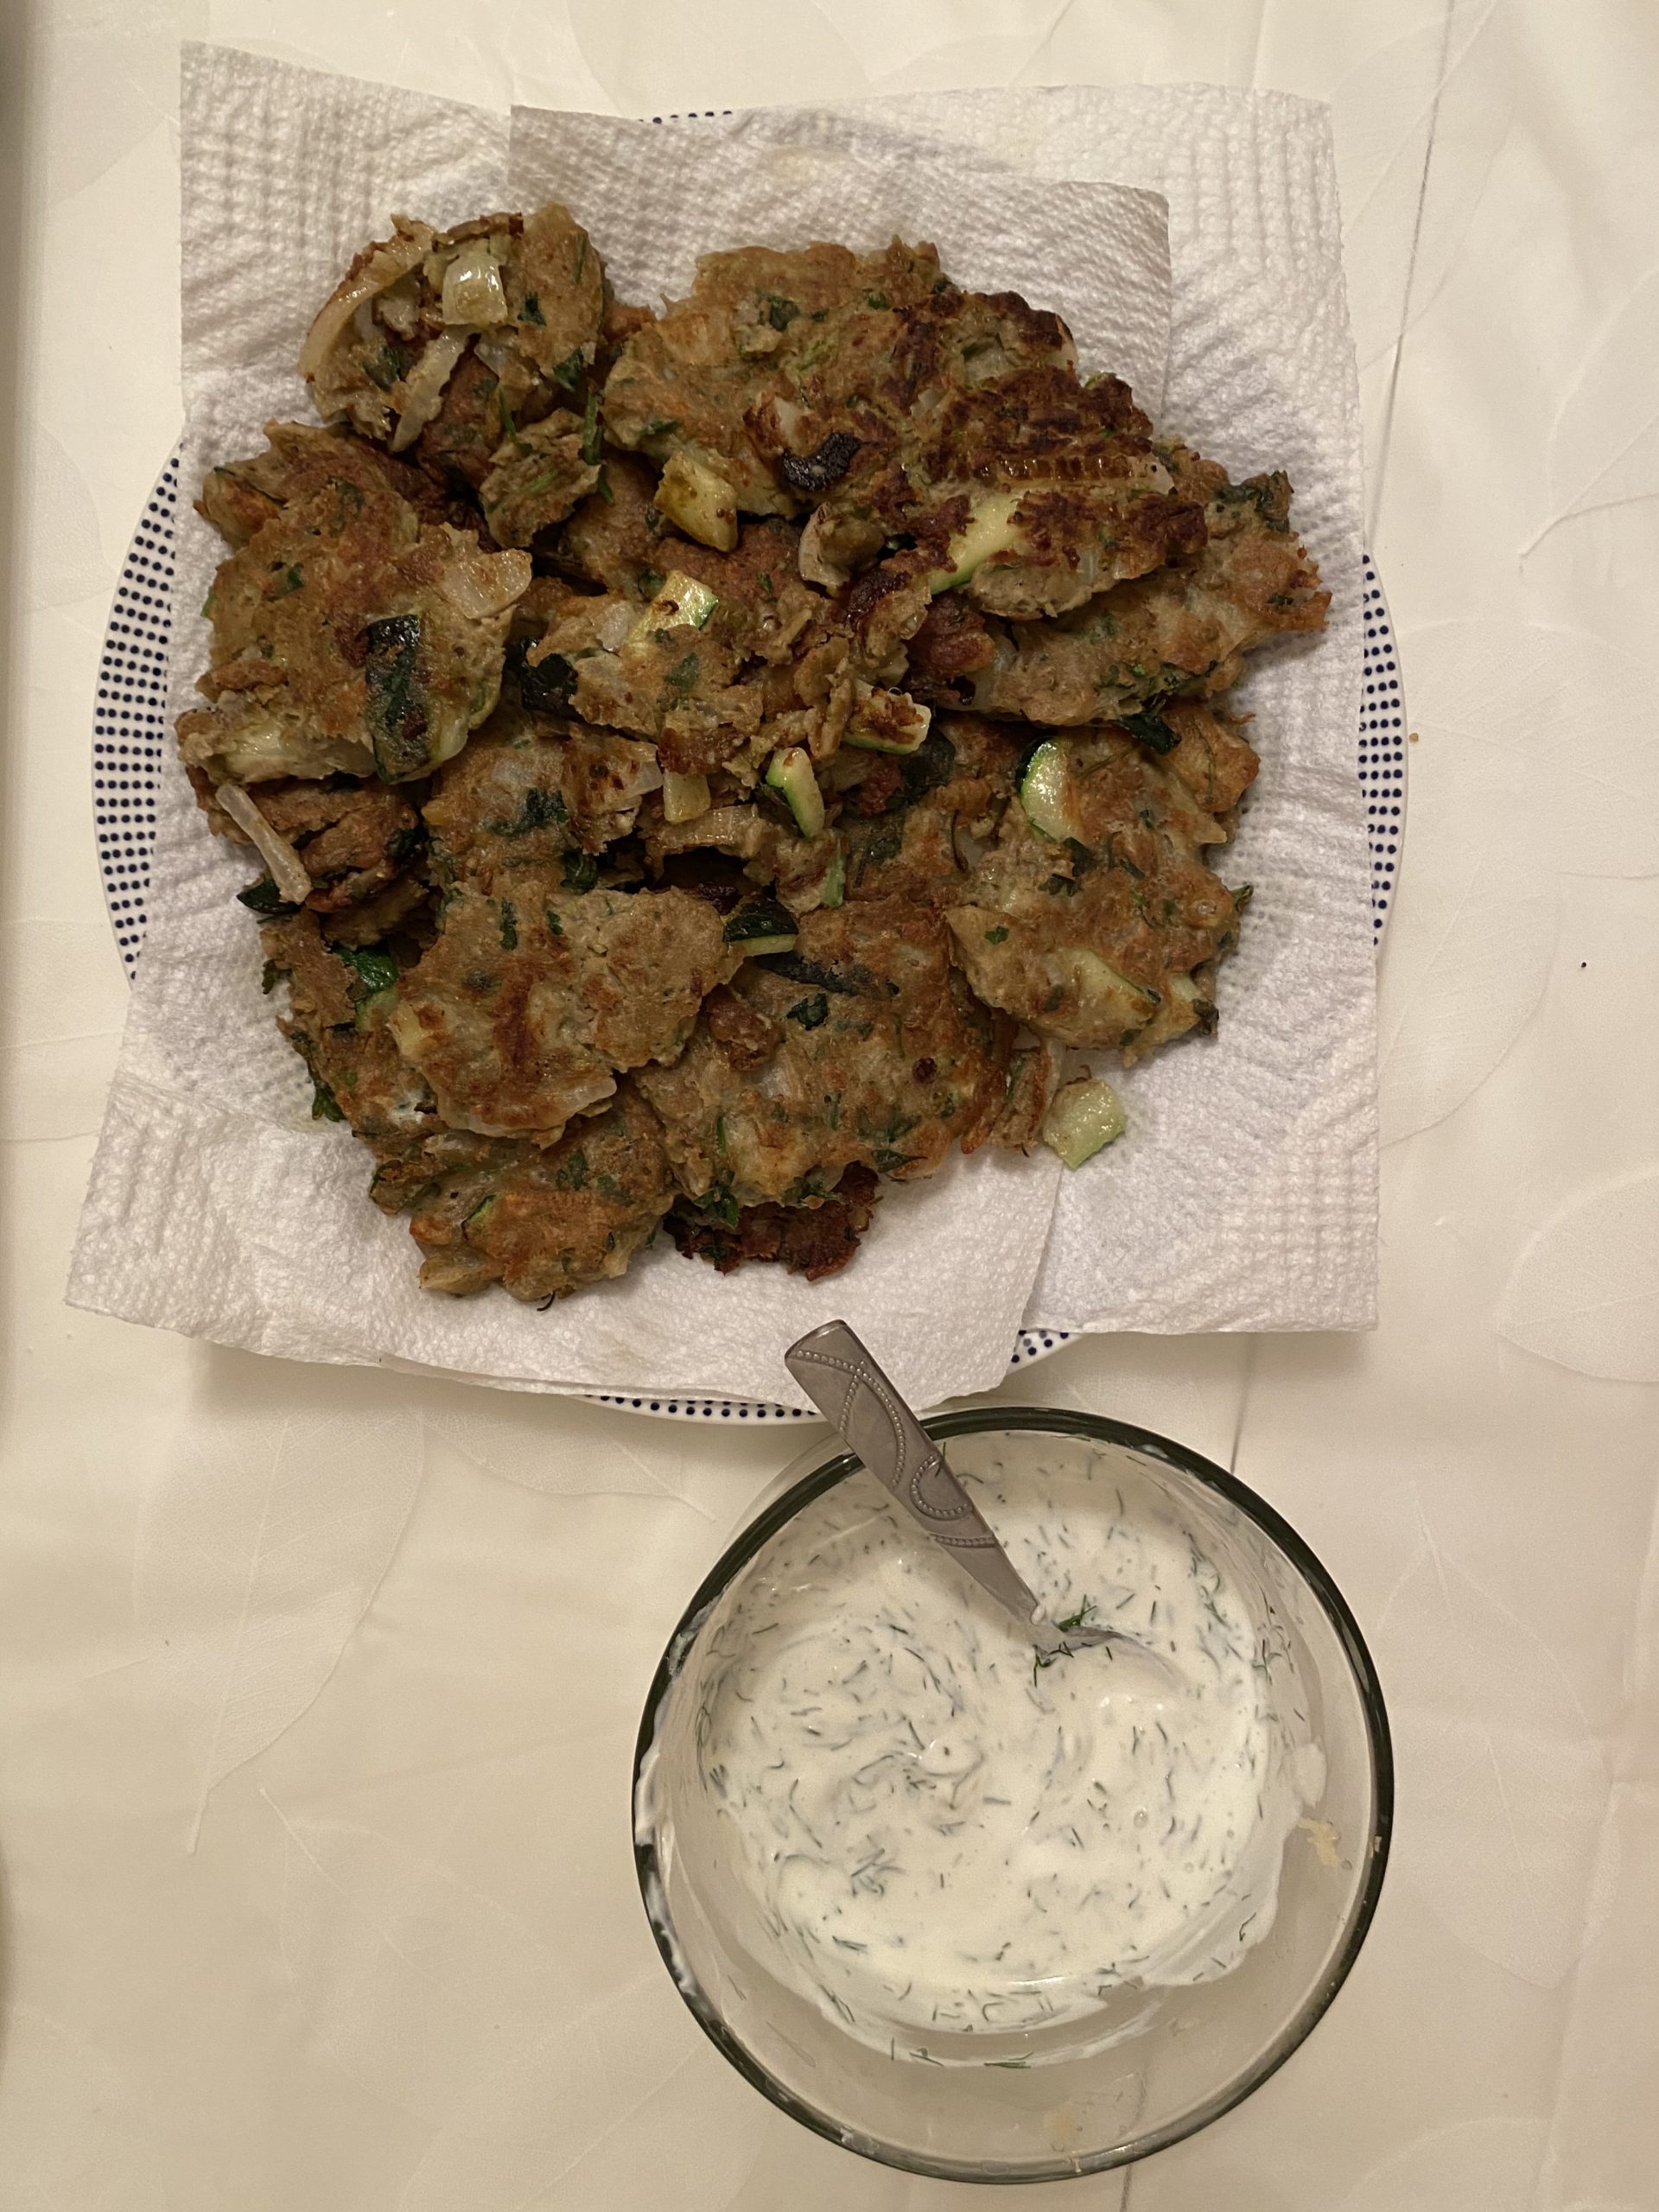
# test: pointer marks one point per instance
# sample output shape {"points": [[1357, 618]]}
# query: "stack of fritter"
{"points": [[705, 764]]}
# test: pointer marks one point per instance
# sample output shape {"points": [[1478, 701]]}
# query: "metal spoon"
{"points": [[836, 1372]]}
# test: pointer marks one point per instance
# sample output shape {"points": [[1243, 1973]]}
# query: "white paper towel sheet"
{"points": [[1243, 1198]]}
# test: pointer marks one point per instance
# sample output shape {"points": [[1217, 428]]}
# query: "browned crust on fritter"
{"points": [[815, 1241]]}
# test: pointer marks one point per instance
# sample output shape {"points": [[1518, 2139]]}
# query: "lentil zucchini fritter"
{"points": [[1105, 936], [530, 788], [542, 1221], [861, 1046], [348, 634], [449, 340], [535, 997]]}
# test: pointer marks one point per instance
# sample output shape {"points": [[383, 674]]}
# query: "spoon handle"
{"points": [[832, 1366]]}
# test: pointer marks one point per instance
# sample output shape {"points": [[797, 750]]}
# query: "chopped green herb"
{"points": [[875, 299], [650, 582], [543, 685], [998, 936], [569, 372], [590, 442], [662, 426], [580, 871], [573, 1173], [536, 809], [508, 926], [263, 898], [681, 679], [720, 1133], [396, 711], [1152, 730], [780, 312], [325, 1107], [810, 1013], [270, 976], [531, 312], [889, 1161], [555, 926], [379, 970], [718, 1204], [383, 369]]}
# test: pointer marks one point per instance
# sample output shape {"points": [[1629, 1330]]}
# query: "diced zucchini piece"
{"points": [[1042, 789], [682, 600], [886, 721], [790, 774], [835, 881], [699, 501], [1084, 1117], [761, 926], [990, 530], [684, 798]]}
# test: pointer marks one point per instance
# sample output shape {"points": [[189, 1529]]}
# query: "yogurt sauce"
{"points": [[939, 1832]]}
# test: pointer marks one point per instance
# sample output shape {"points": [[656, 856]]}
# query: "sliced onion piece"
{"points": [[287, 870], [384, 265], [423, 387], [472, 291], [479, 585]]}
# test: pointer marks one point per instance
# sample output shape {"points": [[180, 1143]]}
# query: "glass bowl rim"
{"points": [[1098, 1427]]}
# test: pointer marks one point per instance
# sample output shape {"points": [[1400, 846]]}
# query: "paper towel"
{"points": [[1244, 1194], [216, 1207]]}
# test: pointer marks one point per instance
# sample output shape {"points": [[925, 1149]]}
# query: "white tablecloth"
{"points": [[318, 1690]]}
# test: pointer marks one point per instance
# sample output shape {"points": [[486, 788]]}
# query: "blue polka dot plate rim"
{"points": [[128, 731]]}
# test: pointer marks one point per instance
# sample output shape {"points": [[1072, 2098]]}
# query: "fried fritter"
{"points": [[811, 1241], [1208, 756], [1184, 628], [535, 997], [348, 634], [778, 365], [338, 1005], [914, 827], [353, 839], [237, 496], [882, 1058], [1032, 492], [530, 788], [536, 478], [755, 323], [542, 1221], [1106, 938], [612, 541], [457, 338], [671, 681]]}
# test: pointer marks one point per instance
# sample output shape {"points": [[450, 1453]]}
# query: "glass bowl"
{"points": [[1155, 2064]]}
